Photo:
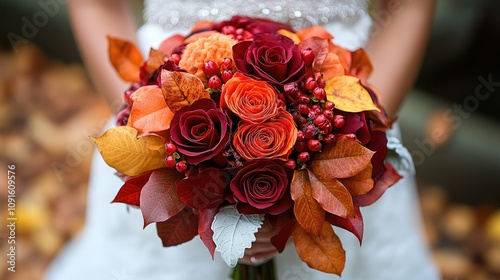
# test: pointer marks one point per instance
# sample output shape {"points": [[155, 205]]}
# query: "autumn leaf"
{"points": [[331, 195], [159, 200], [349, 95], [130, 192], [361, 66], [326, 62], [283, 226], [155, 60], [389, 178], [307, 210], [314, 31], [150, 114], [360, 183], [179, 229], [352, 224], [125, 58], [322, 252], [121, 149], [203, 190], [205, 219], [290, 35], [181, 89], [169, 44]]}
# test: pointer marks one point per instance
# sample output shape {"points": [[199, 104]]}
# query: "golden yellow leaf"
{"points": [[181, 89], [121, 149], [295, 38], [349, 95]]}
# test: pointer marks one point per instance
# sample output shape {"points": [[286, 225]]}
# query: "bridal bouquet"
{"points": [[247, 120]]}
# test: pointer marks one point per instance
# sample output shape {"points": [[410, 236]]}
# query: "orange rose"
{"points": [[272, 139], [251, 100]]}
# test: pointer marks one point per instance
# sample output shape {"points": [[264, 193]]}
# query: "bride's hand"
{"points": [[262, 249]]}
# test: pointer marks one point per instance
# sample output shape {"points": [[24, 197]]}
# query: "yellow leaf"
{"points": [[181, 89], [121, 149], [349, 95], [290, 35]]}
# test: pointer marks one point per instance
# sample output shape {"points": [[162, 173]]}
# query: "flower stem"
{"points": [[263, 271]]}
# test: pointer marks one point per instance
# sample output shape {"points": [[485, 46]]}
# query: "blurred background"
{"points": [[450, 123]]}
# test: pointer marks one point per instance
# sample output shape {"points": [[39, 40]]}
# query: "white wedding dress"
{"points": [[113, 245]]}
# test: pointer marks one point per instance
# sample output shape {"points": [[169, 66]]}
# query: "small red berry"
{"points": [[321, 83], [329, 105], [304, 156], [308, 56], [227, 63], [170, 161], [310, 83], [175, 58], [181, 166], [338, 121], [226, 75], [310, 131], [210, 68], [300, 135], [303, 99], [303, 109], [290, 164], [214, 82], [300, 146], [292, 89], [170, 148], [328, 138], [228, 29], [328, 114], [314, 145], [319, 93], [320, 121]]}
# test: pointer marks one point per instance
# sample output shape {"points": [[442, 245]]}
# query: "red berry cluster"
{"points": [[238, 34], [313, 113], [174, 159], [218, 74]]}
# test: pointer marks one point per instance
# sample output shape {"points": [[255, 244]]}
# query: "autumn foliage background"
{"points": [[48, 108]]}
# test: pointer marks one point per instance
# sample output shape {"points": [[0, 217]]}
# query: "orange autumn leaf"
{"points": [[125, 58], [121, 149], [296, 39], [307, 210], [349, 95], [155, 60], [322, 252], [181, 89], [360, 183], [314, 31], [326, 61], [344, 159], [150, 113], [361, 65], [172, 42]]}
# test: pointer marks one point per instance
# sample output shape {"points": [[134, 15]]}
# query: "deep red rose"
{"points": [[252, 26], [270, 57], [200, 131], [260, 187]]}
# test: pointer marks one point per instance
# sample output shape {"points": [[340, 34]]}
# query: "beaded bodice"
{"points": [[299, 14]]}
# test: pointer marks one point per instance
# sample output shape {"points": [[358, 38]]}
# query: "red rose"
{"points": [[261, 186], [270, 57], [200, 131]]}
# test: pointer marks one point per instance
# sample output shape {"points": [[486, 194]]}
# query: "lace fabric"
{"points": [[299, 14]]}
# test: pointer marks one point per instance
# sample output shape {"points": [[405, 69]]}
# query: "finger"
{"points": [[258, 259]]}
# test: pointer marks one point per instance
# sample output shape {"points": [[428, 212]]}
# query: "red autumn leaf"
{"points": [[150, 114], [159, 200], [205, 219], [343, 159], [283, 226], [308, 211], [155, 60], [130, 192], [125, 58], [172, 42], [322, 252], [178, 229], [389, 178], [352, 224], [361, 66], [181, 89], [203, 190]]}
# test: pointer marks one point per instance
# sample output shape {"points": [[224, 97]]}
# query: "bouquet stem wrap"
{"points": [[263, 271]]}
